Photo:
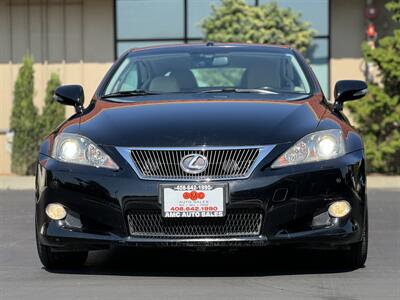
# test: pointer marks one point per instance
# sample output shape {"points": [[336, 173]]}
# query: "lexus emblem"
{"points": [[194, 163]]}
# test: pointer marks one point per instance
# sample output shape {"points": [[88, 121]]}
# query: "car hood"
{"points": [[216, 122]]}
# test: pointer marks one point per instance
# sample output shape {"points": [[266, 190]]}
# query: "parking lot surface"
{"points": [[171, 274]]}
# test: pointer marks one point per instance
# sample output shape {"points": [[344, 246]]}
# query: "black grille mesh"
{"points": [[236, 223]]}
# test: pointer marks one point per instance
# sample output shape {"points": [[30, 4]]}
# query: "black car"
{"points": [[205, 145]]}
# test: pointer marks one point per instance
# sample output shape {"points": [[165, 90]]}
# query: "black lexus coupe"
{"points": [[206, 145]]}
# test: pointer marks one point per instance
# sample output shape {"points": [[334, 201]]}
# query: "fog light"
{"points": [[56, 211], [339, 209]]}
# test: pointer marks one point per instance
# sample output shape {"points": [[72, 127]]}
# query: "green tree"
{"points": [[24, 121], [235, 21], [53, 113], [378, 115]]}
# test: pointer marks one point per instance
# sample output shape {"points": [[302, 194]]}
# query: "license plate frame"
{"points": [[205, 187]]}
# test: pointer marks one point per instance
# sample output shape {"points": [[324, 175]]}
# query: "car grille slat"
{"points": [[212, 164], [234, 166], [237, 223], [241, 160], [222, 163], [219, 157]]}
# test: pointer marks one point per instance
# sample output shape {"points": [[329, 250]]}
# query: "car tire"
{"points": [[60, 259], [356, 256]]}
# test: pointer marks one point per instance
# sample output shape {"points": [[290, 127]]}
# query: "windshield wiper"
{"points": [[237, 90], [129, 93]]}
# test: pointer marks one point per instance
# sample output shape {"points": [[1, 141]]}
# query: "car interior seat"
{"points": [[186, 79], [259, 76], [163, 84]]}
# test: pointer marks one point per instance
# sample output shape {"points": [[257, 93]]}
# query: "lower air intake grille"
{"points": [[236, 223]]}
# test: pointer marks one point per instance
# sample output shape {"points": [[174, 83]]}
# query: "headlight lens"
{"points": [[77, 149], [317, 146]]}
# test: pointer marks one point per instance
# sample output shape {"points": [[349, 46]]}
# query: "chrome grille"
{"points": [[222, 163], [236, 223]]}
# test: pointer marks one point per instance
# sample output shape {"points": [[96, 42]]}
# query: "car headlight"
{"points": [[316, 146], [77, 149]]}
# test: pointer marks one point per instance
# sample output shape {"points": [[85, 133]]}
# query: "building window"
{"points": [[197, 11], [149, 19], [141, 23], [316, 12]]}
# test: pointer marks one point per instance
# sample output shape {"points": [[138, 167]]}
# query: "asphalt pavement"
{"points": [[267, 274]]}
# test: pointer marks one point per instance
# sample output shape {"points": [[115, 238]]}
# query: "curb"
{"points": [[383, 182], [28, 182], [13, 182]]}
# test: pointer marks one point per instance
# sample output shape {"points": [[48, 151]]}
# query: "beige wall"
{"points": [[72, 38], [347, 34]]}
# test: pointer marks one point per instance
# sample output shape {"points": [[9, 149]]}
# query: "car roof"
{"points": [[203, 45]]}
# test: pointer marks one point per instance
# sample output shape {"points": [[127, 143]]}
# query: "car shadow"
{"points": [[185, 263]]}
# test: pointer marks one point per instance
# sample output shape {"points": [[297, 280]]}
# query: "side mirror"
{"points": [[70, 95], [346, 90]]}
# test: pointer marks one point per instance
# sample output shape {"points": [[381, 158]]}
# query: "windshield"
{"points": [[207, 71]]}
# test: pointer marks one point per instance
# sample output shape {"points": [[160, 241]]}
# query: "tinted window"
{"points": [[138, 25], [186, 72], [143, 19]]}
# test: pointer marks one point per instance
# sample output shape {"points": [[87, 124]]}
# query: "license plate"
{"points": [[193, 200]]}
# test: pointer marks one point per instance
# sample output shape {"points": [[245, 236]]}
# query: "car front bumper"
{"points": [[293, 200]]}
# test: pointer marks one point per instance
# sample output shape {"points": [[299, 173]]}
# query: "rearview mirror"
{"points": [[346, 90], [220, 61], [70, 95]]}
